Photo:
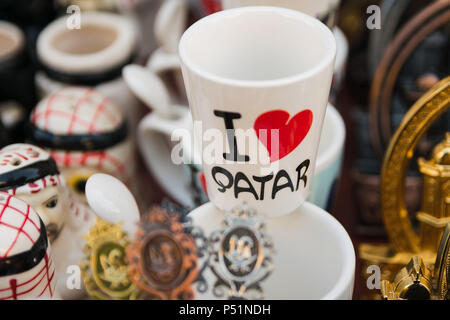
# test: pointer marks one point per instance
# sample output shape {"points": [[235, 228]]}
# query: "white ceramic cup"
{"points": [[262, 74], [154, 141], [324, 10], [314, 257]]}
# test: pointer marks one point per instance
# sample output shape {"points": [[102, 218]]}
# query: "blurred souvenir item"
{"points": [[105, 268], [16, 83], [414, 61], [30, 15], [163, 257], [225, 87], [27, 270], [241, 255], [308, 239], [413, 282], [417, 282], [170, 24], [411, 65], [324, 10], [85, 133], [211, 6], [434, 214], [29, 173], [90, 52]]}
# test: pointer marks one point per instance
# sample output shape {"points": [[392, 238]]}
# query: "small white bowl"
{"points": [[314, 259]]}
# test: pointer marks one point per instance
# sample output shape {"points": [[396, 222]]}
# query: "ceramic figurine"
{"points": [[85, 133], [30, 174], [27, 270], [92, 55]]}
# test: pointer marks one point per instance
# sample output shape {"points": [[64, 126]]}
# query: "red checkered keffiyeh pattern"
{"points": [[79, 110], [19, 230]]}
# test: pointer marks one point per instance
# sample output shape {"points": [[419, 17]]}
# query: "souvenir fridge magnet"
{"points": [[105, 267], [30, 174], [85, 133], [163, 257], [27, 270], [240, 255]]}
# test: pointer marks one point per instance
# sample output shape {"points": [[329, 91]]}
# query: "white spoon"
{"points": [[111, 200], [149, 88], [170, 23]]}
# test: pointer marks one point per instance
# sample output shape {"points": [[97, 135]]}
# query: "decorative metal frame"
{"points": [[398, 155], [105, 267], [163, 258], [240, 255]]}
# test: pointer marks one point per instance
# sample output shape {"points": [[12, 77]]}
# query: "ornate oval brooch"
{"points": [[240, 255], [163, 258], [105, 268]]}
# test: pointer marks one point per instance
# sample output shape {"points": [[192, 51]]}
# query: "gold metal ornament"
{"points": [[442, 267], [413, 282], [240, 255], [416, 281], [435, 207], [105, 268], [163, 258]]}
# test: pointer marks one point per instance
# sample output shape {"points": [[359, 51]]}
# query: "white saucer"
{"points": [[314, 258]]}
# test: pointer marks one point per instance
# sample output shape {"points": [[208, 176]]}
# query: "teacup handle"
{"points": [[154, 132]]}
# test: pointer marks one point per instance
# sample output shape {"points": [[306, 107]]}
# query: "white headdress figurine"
{"points": [[86, 133], [30, 174], [27, 270]]}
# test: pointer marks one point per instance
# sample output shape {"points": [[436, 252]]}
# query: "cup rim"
{"points": [[15, 34], [347, 275], [282, 81], [121, 48]]}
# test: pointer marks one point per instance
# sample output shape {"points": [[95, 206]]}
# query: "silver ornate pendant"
{"points": [[240, 255]]}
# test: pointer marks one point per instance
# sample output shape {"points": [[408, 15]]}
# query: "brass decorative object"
{"points": [[435, 207], [415, 280], [442, 266], [105, 268], [240, 255], [163, 258]]}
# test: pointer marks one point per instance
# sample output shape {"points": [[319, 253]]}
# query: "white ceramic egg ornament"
{"points": [[86, 133], [27, 270], [30, 174]]}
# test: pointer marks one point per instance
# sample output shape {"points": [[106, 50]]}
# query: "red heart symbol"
{"points": [[291, 131]]}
